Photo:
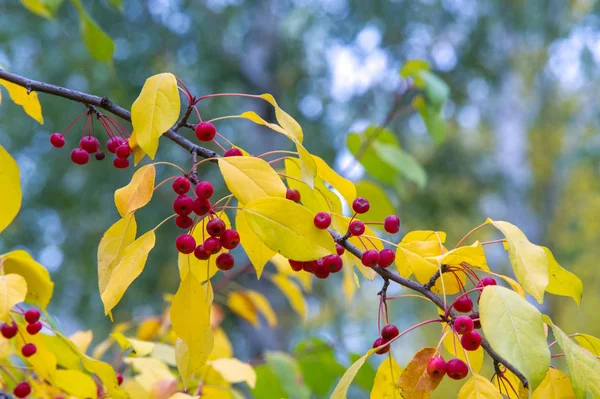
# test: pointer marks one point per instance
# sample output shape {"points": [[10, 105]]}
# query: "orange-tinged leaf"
{"points": [[29, 101], [138, 192], [342, 387], [39, 285], [561, 281], [292, 293], [235, 371], [10, 187], [414, 381], [478, 387], [452, 341], [114, 241], [258, 253], [13, 289], [385, 385], [344, 186], [556, 385], [240, 304], [149, 328], [261, 303]]}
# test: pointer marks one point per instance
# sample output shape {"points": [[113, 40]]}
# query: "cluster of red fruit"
{"points": [[322, 267], [206, 131], [388, 333], [219, 236]]}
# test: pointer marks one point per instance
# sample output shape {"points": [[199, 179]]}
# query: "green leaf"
{"points": [[412, 68], [589, 342], [365, 376], [432, 116], [268, 385], [376, 195], [318, 364], [402, 162], [436, 90], [514, 329], [288, 373], [99, 44], [360, 145]]}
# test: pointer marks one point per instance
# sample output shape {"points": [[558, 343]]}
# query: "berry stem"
{"points": [[8, 373], [276, 160], [219, 144], [224, 95], [408, 296], [276, 152], [225, 139], [493, 241], [170, 164], [161, 223], [200, 163], [380, 239], [72, 123], [197, 113], [289, 177], [187, 92], [469, 233], [164, 181]]}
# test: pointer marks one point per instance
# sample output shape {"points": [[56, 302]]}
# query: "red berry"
{"points": [[321, 270], [484, 282], [121, 163], [201, 206], [32, 315], [360, 205], [181, 185], [333, 263], [233, 152], [89, 144], [34, 328], [391, 224], [293, 195], [184, 222], [339, 249], [471, 340], [57, 140], [436, 367], [370, 258], [123, 151], [230, 239], [463, 324], [357, 228], [225, 261], [390, 331], [309, 267], [201, 253], [463, 304], [215, 227], [100, 155], [113, 143], [9, 331], [386, 257], [119, 378], [183, 205], [28, 350], [457, 369], [476, 321], [22, 390], [378, 342], [185, 244], [80, 156], [212, 245], [205, 131], [322, 220], [204, 190], [295, 265]]}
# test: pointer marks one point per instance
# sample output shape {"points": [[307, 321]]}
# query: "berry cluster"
{"points": [[206, 131], [322, 267], [388, 333]]}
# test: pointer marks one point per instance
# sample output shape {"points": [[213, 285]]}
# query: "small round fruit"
{"points": [[34, 328], [22, 390], [184, 222], [390, 331], [378, 342], [32, 315], [28, 350], [321, 270], [456, 369], [476, 320], [185, 244], [333, 263], [295, 265], [123, 151], [391, 224], [204, 190], [370, 258], [233, 152], [57, 140], [119, 378], [339, 249], [121, 163], [100, 155], [89, 144], [201, 206], [215, 227], [463, 304], [205, 131], [9, 331], [322, 220], [471, 340], [212, 245], [181, 185], [293, 195], [357, 228], [386, 257], [230, 239], [201, 253], [309, 267], [113, 143], [436, 367], [183, 205], [80, 156], [463, 324], [225, 261], [484, 282], [360, 205]]}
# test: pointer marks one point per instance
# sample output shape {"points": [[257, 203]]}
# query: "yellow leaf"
{"points": [[261, 303], [249, 178], [478, 387], [149, 328], [510, 377], [39, 285], [292, 293], [138, 192], [414, 381], [425, 235], [385, 385], [240, 304], [288, 123], [344, 186], [312, 198], [284, 269], [529, 261], [82, 340], [513, 284], [155, 111], [223, 347], [151, 371], [350, 279], [29, 101], [38, 7], [114, 241], [138, 153], [10, 187], [13, 289], [288, 228], [472, 255], [43, 361], [192, 298], [452, 341], [561, 281], [589, 342], [235, 371], [180, 395], [127, 270], [138, 348], [76, 383], [258, 253], [556, 385], [341, 389]]}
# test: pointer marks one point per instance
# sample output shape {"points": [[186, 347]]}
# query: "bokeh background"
{"points": [[522, 136]]}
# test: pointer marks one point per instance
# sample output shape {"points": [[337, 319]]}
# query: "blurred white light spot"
{"points": [[369, 38], [444, 55], [311, 106], [468, 117], [51, 257]]}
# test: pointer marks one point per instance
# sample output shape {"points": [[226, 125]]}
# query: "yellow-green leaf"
{"points": [[82, 339], [312, 198], [529, 261], [10, 187], [288, 123], [113, 243], [249, 178], [240, 304], [76, 383], [43, 8], [561, 281], [155, 111], [589, 342], [138, 348], [344, 186], [288, 228], [98, 43], [258, 253], [29, 101], [453, 346], [515, 330], [152, 373], [415, 382], [261, 303], [385, 385], [235, 371], [292, 292], [478, 387], [138, 192], [556, 385], [341, 390], [39, 285], [127, 270], [13, 289]]}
